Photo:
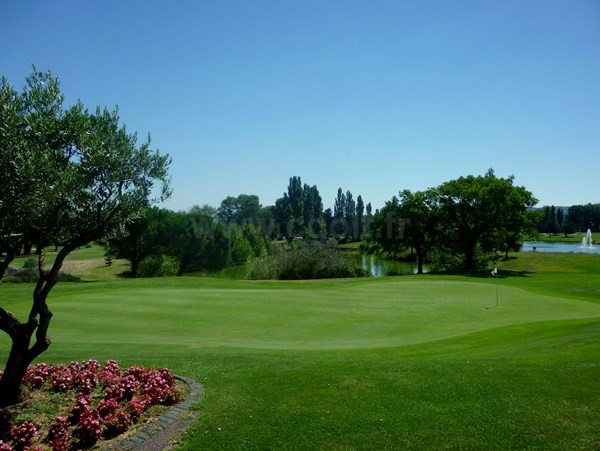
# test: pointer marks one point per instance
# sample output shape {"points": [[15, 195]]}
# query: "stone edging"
{"points": [[167, 424]]}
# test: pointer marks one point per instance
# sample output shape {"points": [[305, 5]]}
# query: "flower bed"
{"points": [[73, 406]]}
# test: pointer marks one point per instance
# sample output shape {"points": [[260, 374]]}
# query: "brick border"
{"points": [[156, 434]]}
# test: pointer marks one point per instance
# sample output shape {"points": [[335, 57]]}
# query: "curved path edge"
{"points": [[156, 435]]}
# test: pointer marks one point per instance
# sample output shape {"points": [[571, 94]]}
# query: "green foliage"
{"points": [[144, 236], [158, 266], [29, 264], [568, 228], [194, 240], [241, 251], [450, 259], [306, 262], [299, 213], [240, 209], [78, 175], [484, 211], [411, 221], [30, 275], [461, 223], [70, 177], [585, 217], [387, 228]]}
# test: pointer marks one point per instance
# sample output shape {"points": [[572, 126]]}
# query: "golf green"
{"points": [[317, 315]]}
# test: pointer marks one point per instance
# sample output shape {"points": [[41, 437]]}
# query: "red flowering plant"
{"points": [[95, 402]]}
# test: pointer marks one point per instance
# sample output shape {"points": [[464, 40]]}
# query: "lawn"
{"points": [[405, 362]]}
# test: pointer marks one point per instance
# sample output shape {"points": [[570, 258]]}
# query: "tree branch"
{"points": [[8, 322], [10, 256]]}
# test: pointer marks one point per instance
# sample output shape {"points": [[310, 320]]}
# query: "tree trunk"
{"points": [[10, 256], [469, 255], [11, 381], [134, 267], [420, 258], [21, 355], [21, 334]]}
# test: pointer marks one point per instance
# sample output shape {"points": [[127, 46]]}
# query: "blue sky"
{"points": [[371, 96]]}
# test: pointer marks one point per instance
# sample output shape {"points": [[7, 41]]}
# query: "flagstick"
{"points": [[495, 274]]}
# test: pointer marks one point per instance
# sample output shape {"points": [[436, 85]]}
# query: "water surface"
{"points": [[544, 246]]}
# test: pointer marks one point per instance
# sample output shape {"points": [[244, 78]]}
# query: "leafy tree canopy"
{"points": [[70, 176]]}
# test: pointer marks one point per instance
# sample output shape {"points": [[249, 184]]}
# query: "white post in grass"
{"points": [[494, 275]]}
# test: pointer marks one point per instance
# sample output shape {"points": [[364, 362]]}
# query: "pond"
{"points": [[379, 267], [544, 246]]}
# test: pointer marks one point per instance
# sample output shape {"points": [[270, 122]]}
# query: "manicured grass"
{"points": [[421, 362], [560, 238], [558, 274]]}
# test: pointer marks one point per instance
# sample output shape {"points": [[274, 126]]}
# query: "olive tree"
{"points": [[70, 177]]}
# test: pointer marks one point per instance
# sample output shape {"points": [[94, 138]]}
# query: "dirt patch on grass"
{"points": [[78, 267]]}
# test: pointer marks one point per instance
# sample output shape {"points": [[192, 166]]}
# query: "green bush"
{"points": [[29, 264], [242, 251], [307, 262], [158, 266], [28, 275]]}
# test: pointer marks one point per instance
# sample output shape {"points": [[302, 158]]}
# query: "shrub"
{"points": [[27, 275], [20, 275], [29, 263], [306, 262], [158, 266]]}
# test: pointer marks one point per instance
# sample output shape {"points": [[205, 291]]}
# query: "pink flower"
{"points": [[117, 423], [22, 435], [136, 406], [58, 434], [89, 428], [107, 406], [83, 403]]}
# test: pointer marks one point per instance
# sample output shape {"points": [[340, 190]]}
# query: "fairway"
{"points": [[390, 363]]}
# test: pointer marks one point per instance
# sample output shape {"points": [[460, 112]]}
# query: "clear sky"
{"points": [[371, 96]]}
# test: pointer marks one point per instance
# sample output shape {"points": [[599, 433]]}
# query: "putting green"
{"points": [[320, 315]]}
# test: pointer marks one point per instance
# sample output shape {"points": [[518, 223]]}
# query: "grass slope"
{"points": [[395, 363]]}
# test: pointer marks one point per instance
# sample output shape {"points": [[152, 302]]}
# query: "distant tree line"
{"points": [[299, 213], [579, 218], [161, 242]]}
